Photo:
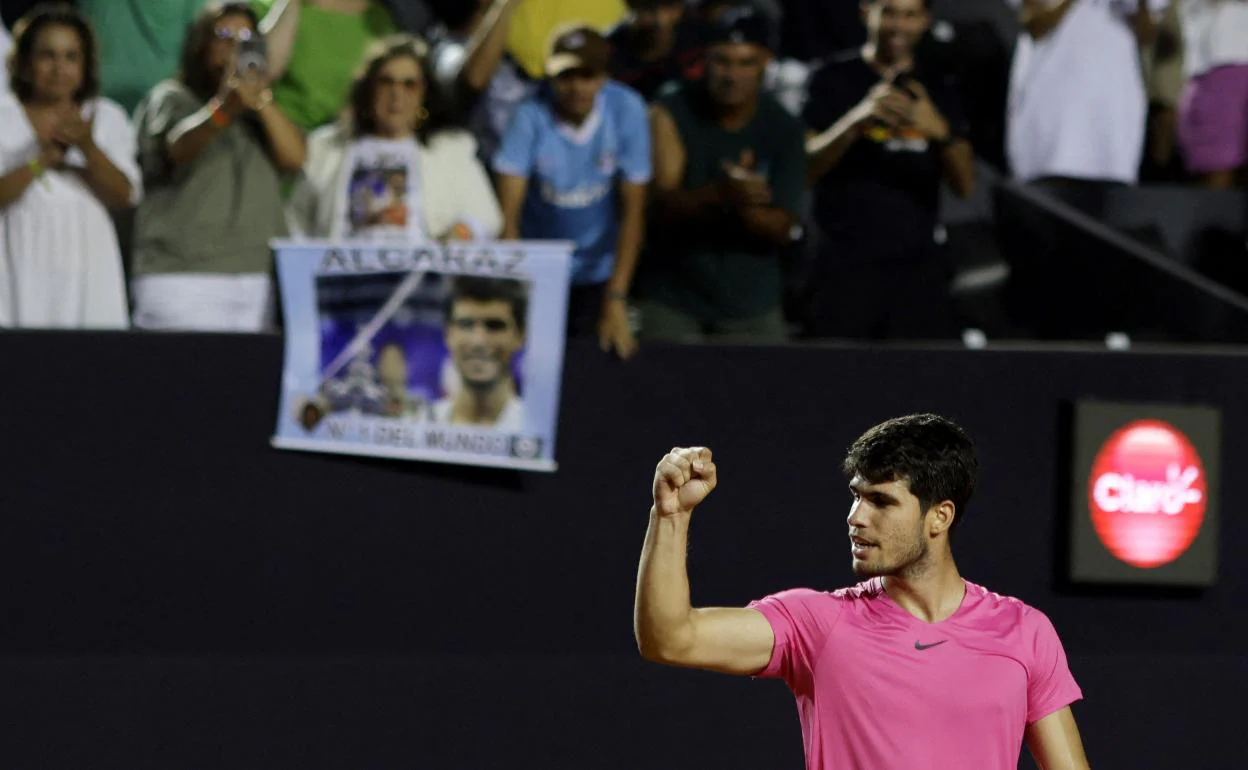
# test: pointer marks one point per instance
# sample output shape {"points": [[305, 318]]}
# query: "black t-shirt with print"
{"points": [[683, 62], [882, 200]]}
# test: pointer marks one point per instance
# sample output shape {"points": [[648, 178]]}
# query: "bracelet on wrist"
{"points": [[218, 116], [612, 295], [36, 167]]}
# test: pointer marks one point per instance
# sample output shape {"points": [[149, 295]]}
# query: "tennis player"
{"points": [[914, 667]]}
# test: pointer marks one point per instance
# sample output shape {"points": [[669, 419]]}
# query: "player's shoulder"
{"points": [[1010, 609], [864, 592]]}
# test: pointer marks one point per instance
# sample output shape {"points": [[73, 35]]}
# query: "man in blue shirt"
{"points": [[574, 165]]}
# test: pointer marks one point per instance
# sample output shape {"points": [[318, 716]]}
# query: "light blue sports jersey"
{"points": [[573, 172]]}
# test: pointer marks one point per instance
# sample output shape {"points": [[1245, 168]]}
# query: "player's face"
{"points": [[734, 72], [56, 63], [575, 92], [886, 529], [483, 338], [398, 96], [895, 26]]}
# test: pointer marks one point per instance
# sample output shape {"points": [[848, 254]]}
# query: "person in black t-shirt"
{"points": [[883, 135], [657, 43]]}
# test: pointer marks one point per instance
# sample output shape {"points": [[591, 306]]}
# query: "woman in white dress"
{"points": [[66, 157], [397, 127]]}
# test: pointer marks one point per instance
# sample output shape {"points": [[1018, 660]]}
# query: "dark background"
{"points": [[179, 594]]}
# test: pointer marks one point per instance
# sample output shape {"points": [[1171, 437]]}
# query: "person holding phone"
{"points": [[882, 137], [66, 159], [213, 147]]}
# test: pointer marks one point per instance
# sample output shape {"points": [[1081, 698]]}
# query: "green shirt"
{"points": [[140, 43], [720, 272], [329, 46], [215, 214]]}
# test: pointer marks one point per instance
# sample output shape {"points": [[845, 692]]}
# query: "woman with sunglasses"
{"points": [[66, 158], [213, 147], [397, 128]]}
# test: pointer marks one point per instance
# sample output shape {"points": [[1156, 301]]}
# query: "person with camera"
{"points": [[883, 137], [213, 147]]}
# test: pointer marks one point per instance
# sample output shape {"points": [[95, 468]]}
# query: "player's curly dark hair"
{"points": [[932, 454], [478, 288]]}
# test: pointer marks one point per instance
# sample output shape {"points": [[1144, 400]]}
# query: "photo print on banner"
{"points": [[450, 353]]}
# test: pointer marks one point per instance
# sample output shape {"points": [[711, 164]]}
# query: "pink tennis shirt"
{"points": [[878, 688]]}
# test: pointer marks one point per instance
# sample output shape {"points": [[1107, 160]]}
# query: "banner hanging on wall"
{"points": [[447, 353]]}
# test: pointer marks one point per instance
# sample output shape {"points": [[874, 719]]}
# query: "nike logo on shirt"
{"points": [[920, 646]]}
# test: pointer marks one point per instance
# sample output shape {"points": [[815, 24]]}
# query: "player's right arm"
{"points": [[668, 628]]}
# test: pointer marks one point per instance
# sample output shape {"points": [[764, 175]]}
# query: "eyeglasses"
{"points": [[228, 34], [490, 324]]}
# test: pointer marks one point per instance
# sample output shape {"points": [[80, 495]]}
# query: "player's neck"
{"points": [[931, 596], [483, 406]]}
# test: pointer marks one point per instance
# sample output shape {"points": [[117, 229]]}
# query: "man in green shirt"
{"points": [[314, 49], [729, 172]]}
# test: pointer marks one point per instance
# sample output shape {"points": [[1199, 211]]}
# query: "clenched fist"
{"points": [[683, 480]]}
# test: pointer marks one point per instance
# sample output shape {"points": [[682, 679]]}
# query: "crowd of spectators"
{"points": [[151, 150]]}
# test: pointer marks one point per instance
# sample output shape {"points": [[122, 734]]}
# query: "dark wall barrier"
{"points": [[179, 594]]}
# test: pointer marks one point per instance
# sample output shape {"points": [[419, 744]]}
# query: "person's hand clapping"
{"points": [[71, 129], [886, 104], [924, 115], [742, 185], [682, 480]]}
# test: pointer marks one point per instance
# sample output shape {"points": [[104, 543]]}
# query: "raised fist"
{"points": [[682, 480]]}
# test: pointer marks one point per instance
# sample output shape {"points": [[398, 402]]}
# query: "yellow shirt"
{"points": [[535, 24]]}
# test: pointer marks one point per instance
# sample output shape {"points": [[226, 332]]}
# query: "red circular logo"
{"points": [[1147, 493]]}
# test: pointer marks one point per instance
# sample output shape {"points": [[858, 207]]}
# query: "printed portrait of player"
{"points": [[485, 330]]}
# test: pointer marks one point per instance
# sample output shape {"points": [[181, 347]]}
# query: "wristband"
{"points": [[36, 168], [616, 296], [218, 116]]}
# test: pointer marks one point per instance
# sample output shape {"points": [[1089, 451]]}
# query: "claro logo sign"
{"points": [[1147, 493]]}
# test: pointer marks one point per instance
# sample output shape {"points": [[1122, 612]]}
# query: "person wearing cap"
{"points": [[730, 171], [574, 166], [885, 134]]}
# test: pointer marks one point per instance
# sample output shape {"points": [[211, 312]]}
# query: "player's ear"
{"points": [[943, 515]]}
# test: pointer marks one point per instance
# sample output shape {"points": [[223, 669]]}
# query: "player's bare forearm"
{"points": [[662, 612], [1055, 743]]}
